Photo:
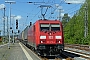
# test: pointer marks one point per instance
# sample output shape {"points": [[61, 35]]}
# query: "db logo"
{"points": [[50, 37]]}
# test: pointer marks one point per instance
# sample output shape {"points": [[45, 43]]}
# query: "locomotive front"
{"points": [[51, 40]]}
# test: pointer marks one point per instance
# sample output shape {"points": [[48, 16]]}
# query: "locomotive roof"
{"points": [[48, 21]]}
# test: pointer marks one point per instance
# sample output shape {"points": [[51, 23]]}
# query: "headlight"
{"points": [[42, 41], [58, 37], [42, 37], [58, 41]]}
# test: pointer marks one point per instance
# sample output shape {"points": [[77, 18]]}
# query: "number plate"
{"points": [[50, 37]]}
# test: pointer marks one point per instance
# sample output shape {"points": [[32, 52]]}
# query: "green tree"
{"points": [[65, 19], [75, 27]]}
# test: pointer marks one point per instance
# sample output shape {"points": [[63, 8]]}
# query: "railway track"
{"points": [[64, 55], [58, 59], [82, 50], [78, 46]]}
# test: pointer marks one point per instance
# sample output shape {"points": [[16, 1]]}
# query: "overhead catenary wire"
{"points": [[43, 1], [31, 18], [35, 15], [66, 11], [72, 8], [25, 11], [48, 2]]}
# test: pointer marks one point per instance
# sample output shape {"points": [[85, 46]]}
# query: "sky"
{"points": [[31, 12]]}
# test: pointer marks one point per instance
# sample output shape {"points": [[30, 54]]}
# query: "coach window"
{"points": [[55, 27], [44, 27]]}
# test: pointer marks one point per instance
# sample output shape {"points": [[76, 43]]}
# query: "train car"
{"points": [[46, 36], [23, 36]]}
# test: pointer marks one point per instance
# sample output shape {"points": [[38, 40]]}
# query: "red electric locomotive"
{"points": [[46, 37]]}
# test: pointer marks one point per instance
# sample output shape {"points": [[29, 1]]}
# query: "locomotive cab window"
{"points": [[55, 27], [44, 27]]}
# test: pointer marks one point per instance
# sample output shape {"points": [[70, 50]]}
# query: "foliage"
{"points": [[65, 19], [74, 29]]}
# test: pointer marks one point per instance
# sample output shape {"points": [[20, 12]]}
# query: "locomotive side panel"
{"points": [[37, 33], [33, 35]]}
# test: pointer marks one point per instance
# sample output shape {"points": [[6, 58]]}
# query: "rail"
{"points": [[78, 46], [82, 50]]}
